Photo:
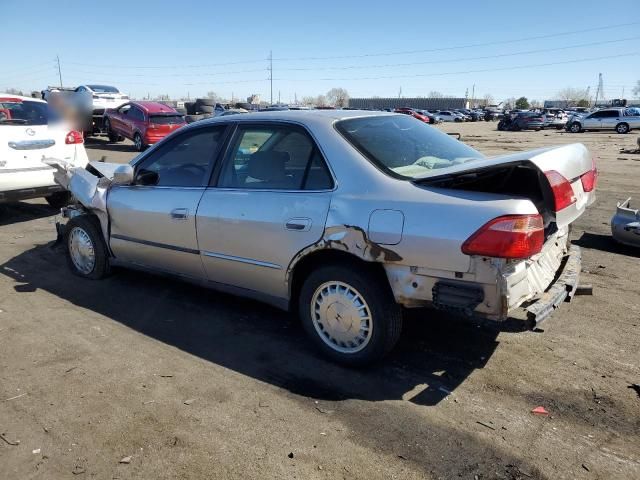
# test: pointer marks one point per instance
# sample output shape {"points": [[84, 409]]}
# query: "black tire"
{"points": [[386, 314], [559, 127], [206, 109], [113, 137], [206, 101], [622, 128], [59, 199], [138, 142], [575, 127], [192, 118], [90, 225], [190, 107]]}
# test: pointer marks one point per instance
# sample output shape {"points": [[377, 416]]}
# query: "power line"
{"points": [[517, 67], [465, 59], [146, 75], [219, 64], [472, 45]]}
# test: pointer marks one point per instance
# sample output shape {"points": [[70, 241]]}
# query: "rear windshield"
{"points": [[166, 119], [26, 113], [403, 146], [103, 89]]}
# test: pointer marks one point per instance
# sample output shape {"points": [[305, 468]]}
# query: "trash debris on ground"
{"points": [[586, 289], [36, 451], [9, 442], [322, 410], [539, 411], [125, 460], [635, 387], [290, 455], [585, 467], [189, 402], [17, 396], [485, 425]]}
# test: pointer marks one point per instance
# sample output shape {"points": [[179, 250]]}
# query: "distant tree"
{"points": [[535, 104], [212, 96], [522, 103], [308, 100], [582, 103], [571, 96], [510, 103], [636, 89], [338, 97], [321, 101], [14, 91], [488, 99], [435, 94]]}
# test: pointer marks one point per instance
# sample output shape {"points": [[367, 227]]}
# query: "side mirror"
{"points": [[123, 175], [147, 177]]}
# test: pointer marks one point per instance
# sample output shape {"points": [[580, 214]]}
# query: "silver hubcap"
{"points": [[622, 128], [138, 141], [81, 250], [341, 317]]}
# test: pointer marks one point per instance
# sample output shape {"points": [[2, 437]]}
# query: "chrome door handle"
{"points": [[179, 213], [298, 224]]}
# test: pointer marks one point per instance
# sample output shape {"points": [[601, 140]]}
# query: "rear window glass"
{"points": [[403, 146], [166, 119], [26, 113], [103, 89]]}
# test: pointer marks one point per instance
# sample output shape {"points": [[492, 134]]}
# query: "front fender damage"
{"points": [[89, 189]]}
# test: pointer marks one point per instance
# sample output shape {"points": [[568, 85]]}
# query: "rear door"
{"points": [[153, 222], [610, 119], [270, 202]]}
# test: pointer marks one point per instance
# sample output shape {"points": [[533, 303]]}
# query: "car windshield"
{"points": [[103, 89], [166, 119], [20, 112], [403, 146]]}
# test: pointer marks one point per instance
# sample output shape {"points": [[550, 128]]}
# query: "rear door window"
{"points": [[275, 158]]}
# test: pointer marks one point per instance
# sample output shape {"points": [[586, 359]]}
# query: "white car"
{"points": [[30, 131], [100, 97], [449, 116]]}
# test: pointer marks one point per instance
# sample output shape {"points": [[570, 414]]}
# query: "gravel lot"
{"points": [[189, 383]]}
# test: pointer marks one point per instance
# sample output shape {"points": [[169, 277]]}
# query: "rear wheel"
{"points": [[59, 199], [349, 314], [622, 128], [86, 251], [138, 142], [575, 127]]}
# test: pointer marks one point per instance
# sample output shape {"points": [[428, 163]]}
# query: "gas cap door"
{"points": [[385, 227]]}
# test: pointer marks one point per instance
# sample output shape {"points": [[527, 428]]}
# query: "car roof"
{"points": [[153, 107], [20, 97], [314, 116]]}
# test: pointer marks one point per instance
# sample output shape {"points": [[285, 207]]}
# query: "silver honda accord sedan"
{"points": [[347, 217]]}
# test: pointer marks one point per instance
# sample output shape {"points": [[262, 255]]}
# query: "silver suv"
{"points": [[621, 120]]}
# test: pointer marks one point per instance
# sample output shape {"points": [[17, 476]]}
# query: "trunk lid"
{"points": [[28, 144], [570, 161]]}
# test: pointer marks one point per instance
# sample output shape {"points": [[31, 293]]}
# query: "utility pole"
{"points": [[271, 73], [59, 70], [278, 97], [473, 93]]}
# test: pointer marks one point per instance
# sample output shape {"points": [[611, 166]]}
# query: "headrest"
{"points": [[268, 166]]}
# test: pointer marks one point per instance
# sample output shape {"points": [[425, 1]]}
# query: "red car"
{"points": [[143, 122], [414, 114]]}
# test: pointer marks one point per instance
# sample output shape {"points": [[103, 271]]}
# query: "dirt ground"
{"points": [[191, 384]]}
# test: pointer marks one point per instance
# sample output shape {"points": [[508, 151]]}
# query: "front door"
{"points": [[153, 221], [270, 201], [593, 121]]}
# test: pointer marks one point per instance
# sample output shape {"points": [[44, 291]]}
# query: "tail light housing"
{"points": [[590, 178], [73, 137], [562, 191], [509, 236]]}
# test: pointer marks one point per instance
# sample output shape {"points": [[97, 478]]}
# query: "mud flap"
{"points": [[561, 290]]}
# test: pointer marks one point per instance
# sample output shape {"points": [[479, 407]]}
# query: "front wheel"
{"points": [[622, 128], [575, 127], [349, 314], [113, 136], [86, 251]]}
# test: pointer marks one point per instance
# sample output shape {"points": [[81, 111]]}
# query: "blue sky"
{"points": [[192, 47]]}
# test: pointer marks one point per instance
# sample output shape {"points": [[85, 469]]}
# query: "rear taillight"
{"points": [[561, 188], [509, 236], [590, 178], [73, 137]]}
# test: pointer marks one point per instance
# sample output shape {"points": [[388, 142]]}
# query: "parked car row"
{"points": [[621, 120]]}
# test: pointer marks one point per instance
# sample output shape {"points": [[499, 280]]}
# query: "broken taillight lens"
{"points": [[590, 178], [562, 190], [73, 137], [509, 236]]}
